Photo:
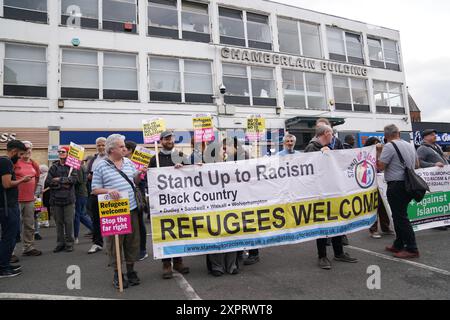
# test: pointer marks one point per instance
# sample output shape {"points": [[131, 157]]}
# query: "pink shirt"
{"points": [[26, 190]]}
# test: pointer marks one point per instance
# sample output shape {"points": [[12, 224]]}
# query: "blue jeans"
{"points": [[81, 216], [10, 227]]}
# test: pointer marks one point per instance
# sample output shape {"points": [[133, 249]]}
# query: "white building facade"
{"points": [[99, 66]]}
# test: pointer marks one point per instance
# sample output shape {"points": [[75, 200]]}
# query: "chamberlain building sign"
{"points": [[274, 59]]}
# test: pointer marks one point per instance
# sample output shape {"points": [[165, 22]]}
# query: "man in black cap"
{"points": [[431, 155], [169, 157]]}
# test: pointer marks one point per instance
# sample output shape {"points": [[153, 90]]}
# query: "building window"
{"points": [[120, 15], [198, 81], [120, 76], [232, 31], [383, 53], [165, 81], [307, 44], [258, 31], [195, 21], [263, 87], [235, 79], [304, 90], [25, 71], [261, 91], [163, 18], [79, 74], [27, 10], [388, 97], [345, 46], [350, 94], [84, 10], [231, 27]]}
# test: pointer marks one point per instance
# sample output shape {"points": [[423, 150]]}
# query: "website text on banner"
{"points": [[115, 216], [75, 157], [434, 210], [271, 201]]}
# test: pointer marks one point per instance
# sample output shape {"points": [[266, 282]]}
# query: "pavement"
{"points": [[283, 273]]}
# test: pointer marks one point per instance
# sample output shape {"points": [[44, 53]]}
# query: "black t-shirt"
{"points": [[12, 194]]}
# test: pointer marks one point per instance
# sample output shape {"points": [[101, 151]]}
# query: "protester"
{"points": [[62, 200], [108, 179], [170, 157], [289, 142], [431, 155], [92, 205], [40, 193], [25, 166], [349, 142], [404, 246], [383, 217], [324, 136], [81, 195], [9, 207], [142, 186], [335, 144]]}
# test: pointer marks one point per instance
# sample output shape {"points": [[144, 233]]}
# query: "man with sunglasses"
{"points": [[62, 200]]}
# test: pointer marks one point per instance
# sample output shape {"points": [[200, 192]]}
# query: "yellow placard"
{"points": [[142, 156], [76, 151], [152, 129], [113, 208], [200, 123], [256, 124]]}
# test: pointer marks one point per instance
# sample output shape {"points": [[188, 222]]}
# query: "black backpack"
{"points": [[415, 186]]}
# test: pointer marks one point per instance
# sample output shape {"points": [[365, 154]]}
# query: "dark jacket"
{"points": [[166, 160], [62, 193], [314, 146], [429, 155]]}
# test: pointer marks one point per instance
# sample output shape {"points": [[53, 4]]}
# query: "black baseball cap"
{"points": [[427, 132]]}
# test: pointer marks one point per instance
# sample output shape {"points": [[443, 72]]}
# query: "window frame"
{"points": [[29, 15], [305, 89], [300, 37], [260, 45], [183, 97], [388, 91], [344, 107], [29, 91], [335, 56], [386, 65], [121, 95]]}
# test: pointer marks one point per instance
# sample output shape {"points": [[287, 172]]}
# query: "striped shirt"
{"points": [[107, 177]]}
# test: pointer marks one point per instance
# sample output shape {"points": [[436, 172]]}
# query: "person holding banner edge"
{"points": [[404, 246], [169, 157], [108, 179], [324, 136]]}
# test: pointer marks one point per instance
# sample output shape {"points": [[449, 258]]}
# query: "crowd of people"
{"points": [[71, 196]]}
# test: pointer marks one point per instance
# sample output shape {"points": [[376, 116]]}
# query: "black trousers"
{"points": [[143, 232], [337, 246], [398, 201], [96, 232]]}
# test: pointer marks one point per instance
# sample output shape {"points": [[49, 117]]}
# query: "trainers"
{"points": [[167, 270], [9, 273], [345, 257], [180, 267], [15, 267], [251, 260], [95, 248], [216, 273], [324, 263], [59, 249], [32, 253], [116, 281], [37, 237], [133, 279], [14, 259], [69, 249], [406, 254], [77, 241], [143, 256], [375, 235]]}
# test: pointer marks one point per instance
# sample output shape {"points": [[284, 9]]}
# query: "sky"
{"points": [[424, 27]]}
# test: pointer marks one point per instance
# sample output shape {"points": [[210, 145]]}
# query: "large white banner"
{"points": [[272, 201]]}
